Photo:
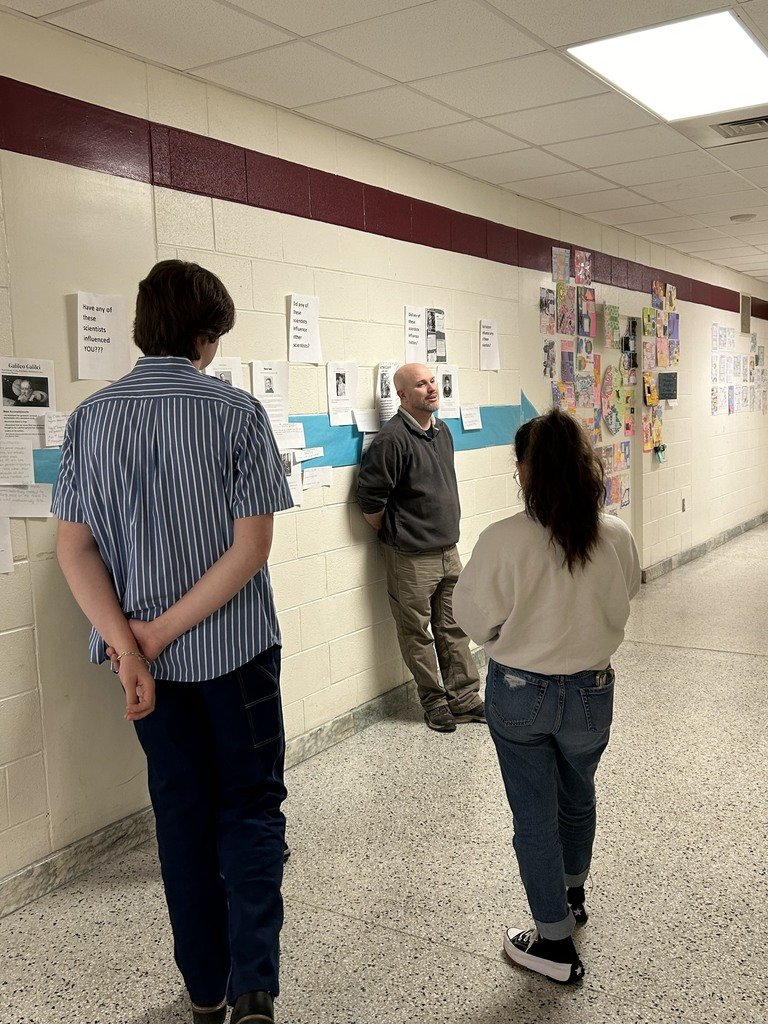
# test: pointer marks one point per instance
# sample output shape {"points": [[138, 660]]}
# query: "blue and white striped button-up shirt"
{"points": [[159, 465]]}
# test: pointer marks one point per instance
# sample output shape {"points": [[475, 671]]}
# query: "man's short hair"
{"points": [[177, 303]]}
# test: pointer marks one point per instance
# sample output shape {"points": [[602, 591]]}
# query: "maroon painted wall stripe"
{"points": [[36, 122], [275, 184]]}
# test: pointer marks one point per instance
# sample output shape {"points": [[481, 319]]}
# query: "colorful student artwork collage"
{"points": [[601, 394], [661, 357], [738, 379]]}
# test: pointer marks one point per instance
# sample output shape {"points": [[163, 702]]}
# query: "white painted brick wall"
{"points": [[27, 790], [182, 219], [339, 644], [21, 731]]}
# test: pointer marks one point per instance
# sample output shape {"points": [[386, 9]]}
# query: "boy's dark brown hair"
{"points": [[177, 303], [563, 484]]}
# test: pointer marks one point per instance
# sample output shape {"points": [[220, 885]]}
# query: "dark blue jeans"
{"points": [[550, 733], [215, 753]]}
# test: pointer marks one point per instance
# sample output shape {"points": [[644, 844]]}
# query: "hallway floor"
{"points": [[402, 876]]}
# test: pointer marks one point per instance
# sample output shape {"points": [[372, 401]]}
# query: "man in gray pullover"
{"points": [[408, 493]]}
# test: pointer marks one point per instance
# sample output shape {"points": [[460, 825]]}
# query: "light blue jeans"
{"points": [[550, 732]]}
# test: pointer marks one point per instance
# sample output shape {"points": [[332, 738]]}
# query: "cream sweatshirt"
{"points": [[517, 598]]}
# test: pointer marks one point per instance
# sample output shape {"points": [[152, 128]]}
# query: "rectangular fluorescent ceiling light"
{"points": [[686, 69]]}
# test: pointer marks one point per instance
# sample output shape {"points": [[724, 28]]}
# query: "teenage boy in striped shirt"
{"points": [[168, 484]]}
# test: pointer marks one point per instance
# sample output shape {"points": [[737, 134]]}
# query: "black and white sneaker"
{"points": [[576, 903], [555, 959]]}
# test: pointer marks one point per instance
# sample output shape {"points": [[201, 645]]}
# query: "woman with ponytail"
{"points": [[547, 592]]}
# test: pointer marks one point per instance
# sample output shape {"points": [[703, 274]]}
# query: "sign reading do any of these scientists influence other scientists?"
{"points": [[304, 330]]}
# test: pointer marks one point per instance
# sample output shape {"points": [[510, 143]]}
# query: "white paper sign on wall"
{"points": [[304, 330], [228, 369], [447, 381], [415, 335], [102, 337], [489, 346], [6, 551]]}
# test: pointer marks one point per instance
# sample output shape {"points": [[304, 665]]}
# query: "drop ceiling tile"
{"points": [[647, 211], [722, 219], [431, 39], [753, 272], [572, 183], [719, 244], [759, 237], [39, 8], [758, 12], [610, 199], [757, 175], [661, 168], [307, 18], [699, 185], [575, 119], [562, 22], [512, 85], [736, 202], [749, 271], [525, 163], [292, 75], [749, 262], [645, 227], [150, 29], [743, 154], [694, 235], [454, 142], [720, 255], [383, 112], [636, 144], [704, 246]]}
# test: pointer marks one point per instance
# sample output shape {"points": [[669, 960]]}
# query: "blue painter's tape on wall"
{"points": [[46, 462], [342, 445], [529, 410]]}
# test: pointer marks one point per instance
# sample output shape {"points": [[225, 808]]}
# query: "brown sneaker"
{"points": [[476, 713], [440, 719]]}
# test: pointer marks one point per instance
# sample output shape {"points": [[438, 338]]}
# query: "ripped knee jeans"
{"points": [[550, 733]]}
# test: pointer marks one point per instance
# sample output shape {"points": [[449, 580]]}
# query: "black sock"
{"points": [[575, 894]]}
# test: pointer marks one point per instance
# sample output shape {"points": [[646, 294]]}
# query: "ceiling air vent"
{"points": [[742, 129], [745, 125]]}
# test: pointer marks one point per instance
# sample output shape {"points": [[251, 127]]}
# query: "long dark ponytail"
{"points": [[563, 483]]}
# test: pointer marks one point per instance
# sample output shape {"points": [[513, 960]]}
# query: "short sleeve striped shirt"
{"points": [[159, 465]]}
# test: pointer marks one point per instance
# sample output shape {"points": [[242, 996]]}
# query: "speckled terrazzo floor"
{"points": [[402, 877]]}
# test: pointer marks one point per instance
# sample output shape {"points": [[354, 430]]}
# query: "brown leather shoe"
{"points": [[253, 1006]]}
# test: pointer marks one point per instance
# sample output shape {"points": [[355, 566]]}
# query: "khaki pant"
{"points": [[420, 595]]}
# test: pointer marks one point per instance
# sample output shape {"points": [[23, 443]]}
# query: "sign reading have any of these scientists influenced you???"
{"points": [[102, 337]]}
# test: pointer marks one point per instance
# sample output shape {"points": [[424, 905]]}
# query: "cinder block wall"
{"points": [[68, 763]]}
